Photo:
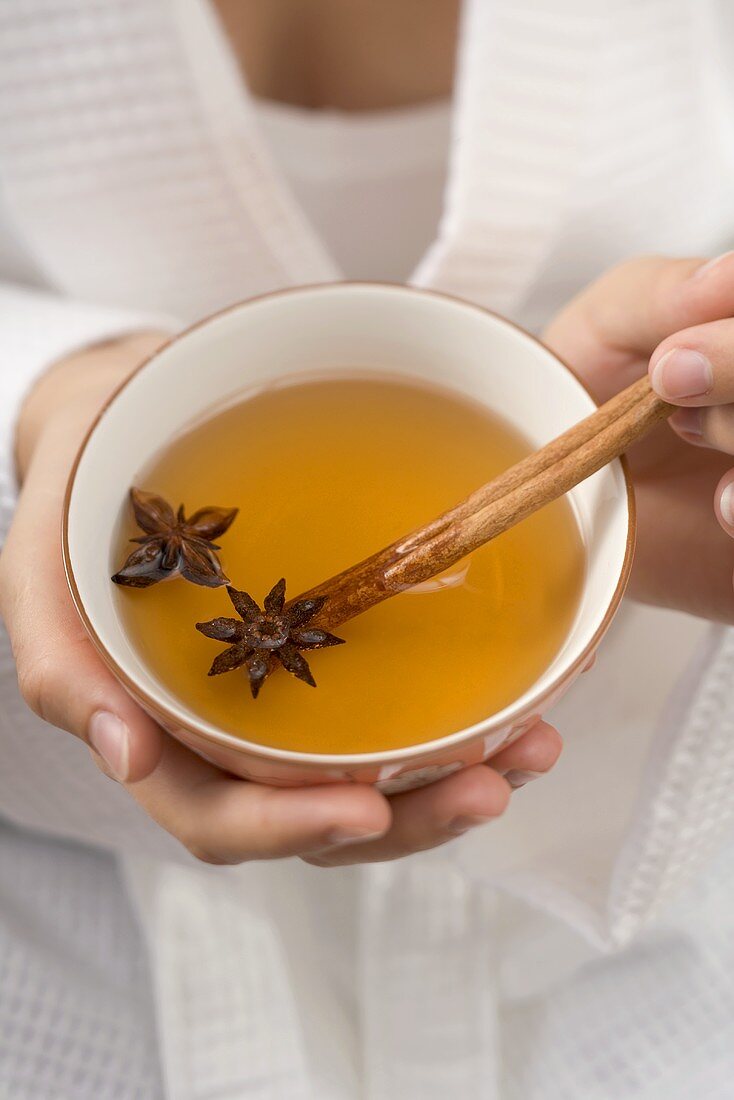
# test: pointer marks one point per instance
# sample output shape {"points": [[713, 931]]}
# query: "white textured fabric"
{"points": [[115, 117], [585, 133], [371, 184], [137, 178], [76, 1013], [449, 988]]}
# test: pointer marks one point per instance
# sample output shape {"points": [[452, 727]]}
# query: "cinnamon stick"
{"points": [[503, 502]]}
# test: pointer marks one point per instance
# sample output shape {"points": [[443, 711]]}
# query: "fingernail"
{"points": [[726, 504], [465, 822], [110, 737], [689, 421], [704, 269], [682, 372], [341, 835], [517, 778]]}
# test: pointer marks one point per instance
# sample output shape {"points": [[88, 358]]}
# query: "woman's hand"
{"points": [[672, 318], [220, 819]]}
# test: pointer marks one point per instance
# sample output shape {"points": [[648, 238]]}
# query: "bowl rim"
{"points": [[323, 761]]}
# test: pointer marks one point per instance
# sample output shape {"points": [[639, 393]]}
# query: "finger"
{"points": [[712, 428], [724, 502], [61, 676], [695, 367], [621, 317], [221, 819], [63, 680], [428, 817], [531, 756]]}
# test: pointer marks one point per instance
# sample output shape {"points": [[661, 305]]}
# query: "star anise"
{"points": [[173, 544], [259, 635]]}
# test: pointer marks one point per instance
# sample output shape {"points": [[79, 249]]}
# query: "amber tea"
{"points": [[324, 471]]}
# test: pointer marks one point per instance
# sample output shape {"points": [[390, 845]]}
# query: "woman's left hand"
{"points": [[672, 318], [429, 817]]}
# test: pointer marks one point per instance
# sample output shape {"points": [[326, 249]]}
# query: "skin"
{"points": [[353, 55], [613, 332]]}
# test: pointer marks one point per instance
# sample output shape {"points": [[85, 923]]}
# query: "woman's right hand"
{"points": [[219, 818], [665, 316]]}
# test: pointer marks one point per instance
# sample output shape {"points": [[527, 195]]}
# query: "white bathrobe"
{"points": [[583, 947]]}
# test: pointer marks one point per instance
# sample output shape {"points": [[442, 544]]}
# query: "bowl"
{"points": [[329, 328]]}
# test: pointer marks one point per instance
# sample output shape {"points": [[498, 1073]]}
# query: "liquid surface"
{"points": [[324, 472]]}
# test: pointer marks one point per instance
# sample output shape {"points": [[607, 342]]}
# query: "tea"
{"points": [[325, 471]]}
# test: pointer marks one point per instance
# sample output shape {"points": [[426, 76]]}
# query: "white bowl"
{"points": [[330, 328]]}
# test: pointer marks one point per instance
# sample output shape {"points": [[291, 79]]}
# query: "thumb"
{"points": [[608, 331]]}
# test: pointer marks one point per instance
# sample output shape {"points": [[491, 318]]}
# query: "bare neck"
{"points": [[354, 55]]}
